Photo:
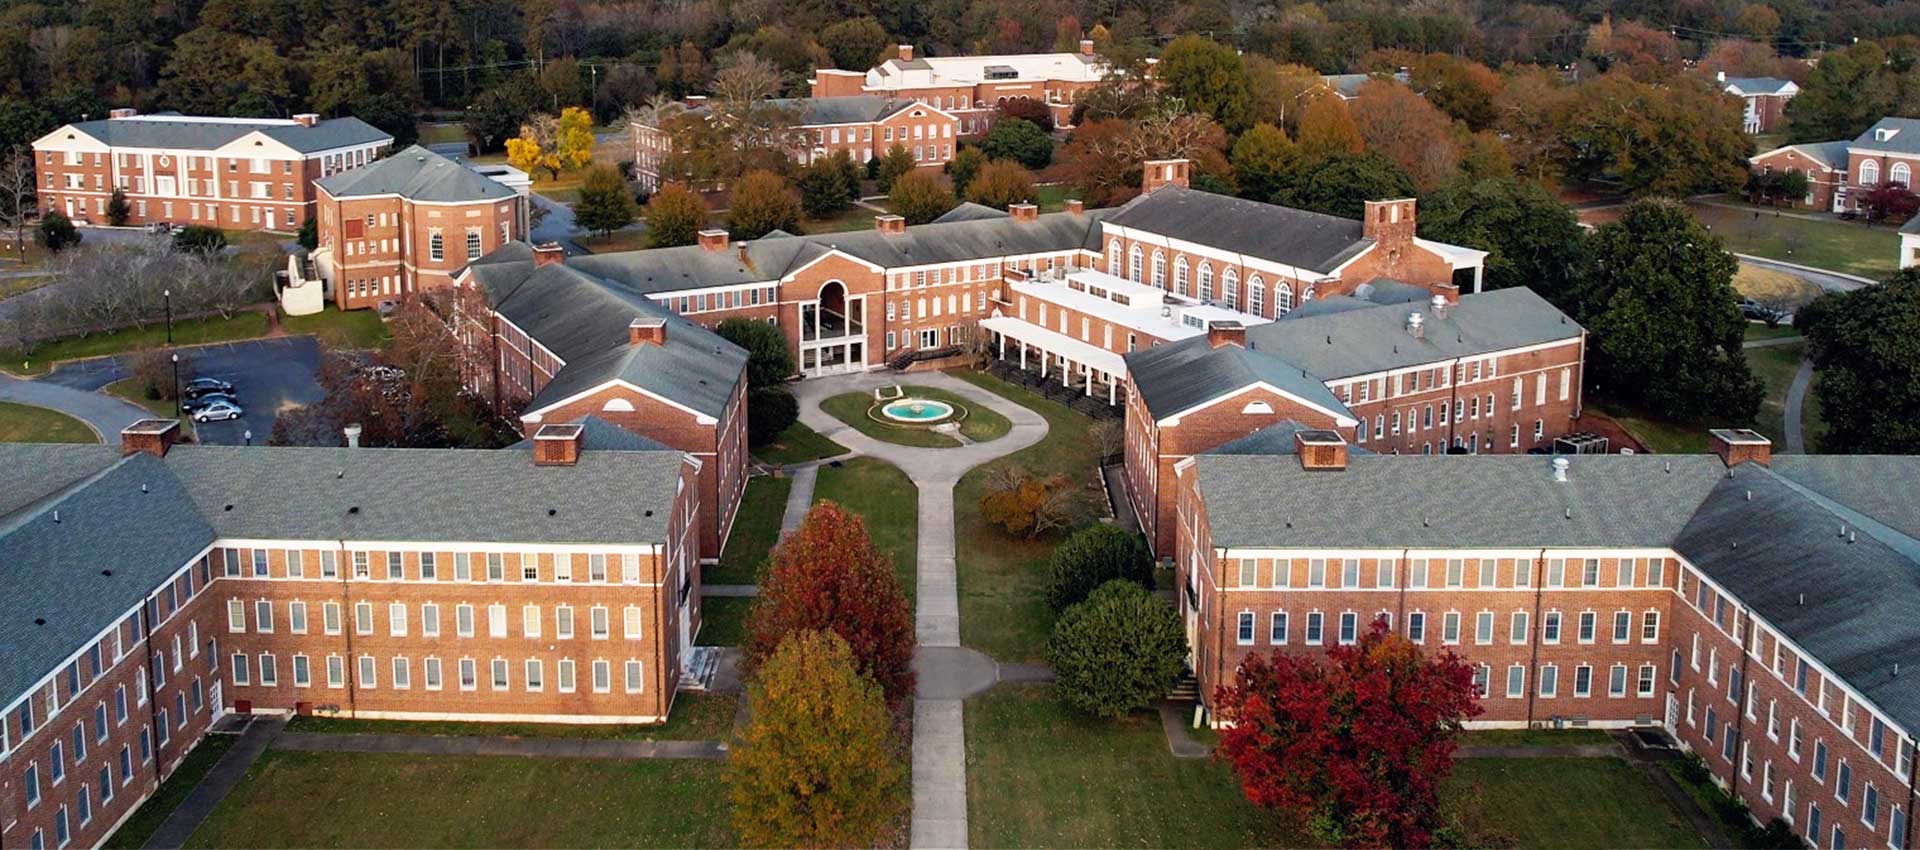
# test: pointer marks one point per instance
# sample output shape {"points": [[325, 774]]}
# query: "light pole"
{"points": [[167, 294], [247, 435], [179, 407]]}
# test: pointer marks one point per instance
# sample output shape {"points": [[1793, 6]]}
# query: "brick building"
{"points": [[1758, 607], [1838, 172], [972, 87], [151, 588], [406, 223], [230, 173], [1765, 98], [865, 126]]}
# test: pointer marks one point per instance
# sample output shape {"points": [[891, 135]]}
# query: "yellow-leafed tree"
{"points": [[573, 138]]}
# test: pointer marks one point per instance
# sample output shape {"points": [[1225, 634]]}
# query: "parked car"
{"points": [[198, 403], [218, 411], [1758, 312], [205, 386]]}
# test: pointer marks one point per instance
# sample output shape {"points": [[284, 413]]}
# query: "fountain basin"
{"points": [[916, 411]]}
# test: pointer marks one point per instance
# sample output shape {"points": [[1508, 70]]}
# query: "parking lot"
{"points": [[269, 375]]}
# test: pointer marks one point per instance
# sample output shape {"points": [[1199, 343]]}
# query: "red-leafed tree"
{"points": [[1356, 743], [828, 576]]}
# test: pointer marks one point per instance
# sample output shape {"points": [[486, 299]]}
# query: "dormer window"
{"points": [[1884, 134]]}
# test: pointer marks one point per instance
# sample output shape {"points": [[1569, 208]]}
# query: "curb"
{"points": [[1816, 269]]}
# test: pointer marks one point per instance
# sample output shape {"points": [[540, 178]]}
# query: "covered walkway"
{"points": [[1079, 365]]}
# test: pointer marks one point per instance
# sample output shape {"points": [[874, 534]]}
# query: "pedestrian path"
{"points": [[105, 414], [1795, 436], [799, 497], [475, 745], [217, 784], [736, 590], [948, 673]]}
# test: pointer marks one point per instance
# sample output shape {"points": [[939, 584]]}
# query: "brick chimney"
{"points": [[1226, 332], [1736, 446], [123, 112], [548, 253], [557, 445], [1321, 450], [306, 119], [1086, 47], [1390, 224], [650, 330], [1023, 212], [153, 436], [1155, 173], [890, 224], [713, 239], [1074, 206], [906, 53]]}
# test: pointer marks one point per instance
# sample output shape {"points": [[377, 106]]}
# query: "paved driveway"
{"points": [[269, 375]]}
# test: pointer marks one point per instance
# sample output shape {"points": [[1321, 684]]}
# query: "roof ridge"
{"points": [[25, 514], [1901, 543]]}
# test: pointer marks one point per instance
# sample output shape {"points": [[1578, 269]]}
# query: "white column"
{"points": [[1023, 356], [1113, 388]]}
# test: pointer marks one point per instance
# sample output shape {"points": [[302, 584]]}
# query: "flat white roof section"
{"points": [[1135, 306]]}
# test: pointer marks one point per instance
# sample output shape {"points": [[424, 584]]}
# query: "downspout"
{"points": [[659, 630], [493, 337], [1533, 636], [1453, 401], [153, 693], [1740, 704], [1400, 581], [347, 626]]}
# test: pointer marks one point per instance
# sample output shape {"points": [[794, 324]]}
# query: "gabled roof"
{"points": [[970, 211], [418, 174], [1172, 379], [1275, 439], [848, 109], [1759, 85], [1833, 155], [1905, 136], [1270, 232], [599, 435], [205, 134], [1374, 338]]}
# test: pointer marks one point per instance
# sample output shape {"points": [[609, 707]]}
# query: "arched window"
{"points": [[1307, 295], [1282, 299], [1206, 279], [1180, 276], [1232, 290], [1113, 258], [1900, 174], [1133, 264], [1869, 173], [1256, 295], [1159, 269]]}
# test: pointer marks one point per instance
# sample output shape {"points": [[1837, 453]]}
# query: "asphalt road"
{"points": [[269, 375]]}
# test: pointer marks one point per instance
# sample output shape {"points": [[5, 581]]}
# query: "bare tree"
{"points": [[1110, 435], [18, 200]]}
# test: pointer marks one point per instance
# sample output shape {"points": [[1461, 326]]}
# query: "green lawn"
{"points": [[24, 423], [302, 799], [851, 219], [756, 528], [980, 425], [1040, 775], [1660, 436], [694, 717], [1843, 246], [1535, 738], [1049, 198], [185, 777], [1759, 331], [437, 134], [633, 239], [798, 444], [194, 332], [1003, 607], [340, 328], [1567, 804], [130, 389], [887, 500], [723, 620]]}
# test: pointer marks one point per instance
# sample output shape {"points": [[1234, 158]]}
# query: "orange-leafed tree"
{"points": [[820, 765], [828, 576], [1356, 743], [1327, 129], [1023, 503]]}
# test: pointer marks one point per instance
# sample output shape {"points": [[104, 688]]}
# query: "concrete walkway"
{"points": [[1538, 751], [1795, 437], [1173, 721], [947, 672], [217, 784], [735, 590], [106, 415], [457, 745], [799, 497]]}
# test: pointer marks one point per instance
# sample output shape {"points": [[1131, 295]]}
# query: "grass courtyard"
{"points": [[1003, 607], [756, 528], [185, 777], [340, 800], [24, 423], [1039, 775], [694, 717], [1774, 365], [980, 424], [798, 444], [723, 620], [188, 332], [1843, 246], [889, 503]]}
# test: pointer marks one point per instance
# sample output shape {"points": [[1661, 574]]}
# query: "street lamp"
{"points": [[168, 295], [179, 408], [247, 435]]}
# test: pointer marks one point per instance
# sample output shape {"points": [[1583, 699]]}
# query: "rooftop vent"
{"points": [[1439, 305], [1416, 325], [1560, 467]]}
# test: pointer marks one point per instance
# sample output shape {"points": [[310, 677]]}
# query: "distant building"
{"points": [[230, 173], [865, 126], [1839, 171], [1765, 97], [406, 223], [972, 87]]}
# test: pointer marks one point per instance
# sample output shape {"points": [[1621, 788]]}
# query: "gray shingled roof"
{"points": [[1300, 238], [142, 517], [970, 211], [599, 435], [847, 109], [1758, 85], [1831, 154], [1854, 602], [1906, 138], [1173, 378], [419, 174], [1361, 341], [584, 320], [1275, 439], [209, 134]]}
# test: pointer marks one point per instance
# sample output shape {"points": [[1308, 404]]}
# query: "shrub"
{"points": [[1118, 651], [153, 373], [201, 239], [824, 190], [829, 576], [770, 410], [818, 766], [309, 237], [1023, 504], [118, 210], [56, 232], [1092, 557]]}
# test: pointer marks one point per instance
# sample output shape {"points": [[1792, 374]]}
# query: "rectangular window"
{"points": [[1617, 681], [1550, 627], [1450, 628], [598, 622], [1244, 634], [430, 673], [530, 620], [1417, 627], [269, 670], [1549, 681], [602, 677], [1586, 626], [1483, 627], [1349, 627], [468, 680], [631, 619], [236, 615], [429, 569], [430, 619], [1583, 681], [499, 674], [1277, 628], [536, 679], [402, 672], [1516, 681], [1315, 628], [336, 672], [302, 672], [242, 665], [368, 679], [1622, 626], [634, 680], [1517, 629], [563, 675]]}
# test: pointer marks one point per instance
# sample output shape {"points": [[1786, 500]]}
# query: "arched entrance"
{"points": [[833, 332]]}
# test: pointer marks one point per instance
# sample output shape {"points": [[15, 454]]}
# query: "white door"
{"points": [[1673, 712], [686, 632]]}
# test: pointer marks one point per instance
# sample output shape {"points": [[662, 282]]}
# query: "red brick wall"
{"points": [[1821, 181], [392, 257]]}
